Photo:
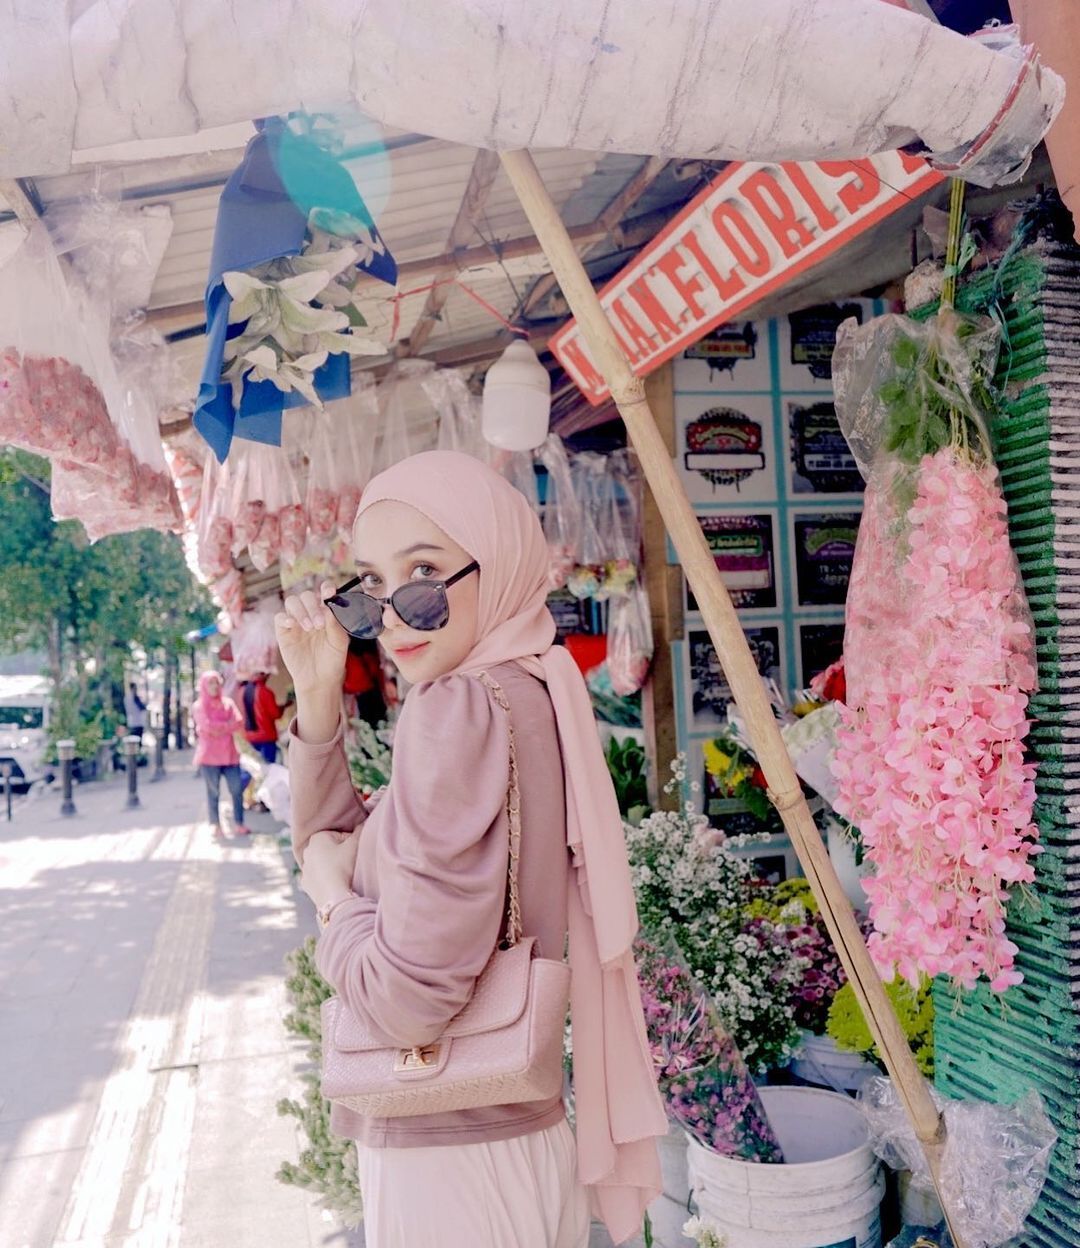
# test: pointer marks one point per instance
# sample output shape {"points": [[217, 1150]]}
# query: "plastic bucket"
{"points": [[827, 1194], [821, 1063]]}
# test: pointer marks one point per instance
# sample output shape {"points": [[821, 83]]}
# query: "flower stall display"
{"points": [[938, 654], [703, 1079], [293, 241], [914, 1006], [61, 397], [691, 889]]}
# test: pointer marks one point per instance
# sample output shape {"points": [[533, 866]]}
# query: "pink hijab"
{"points": [[618, 1107]]}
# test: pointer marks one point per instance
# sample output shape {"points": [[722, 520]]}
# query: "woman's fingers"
{"points": [[303, 608]]}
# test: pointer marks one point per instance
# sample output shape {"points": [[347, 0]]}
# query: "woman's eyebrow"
{"points": [[419, 546], [404, 554]]}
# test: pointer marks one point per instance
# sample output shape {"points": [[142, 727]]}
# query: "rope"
{"points": [[449, 281]]}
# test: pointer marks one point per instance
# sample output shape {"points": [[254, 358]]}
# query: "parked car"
{"points": [[25, 703]]}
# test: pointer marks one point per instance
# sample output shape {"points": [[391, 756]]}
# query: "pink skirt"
{"points": [[519, 1193]]}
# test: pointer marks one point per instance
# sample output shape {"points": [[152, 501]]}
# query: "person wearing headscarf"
{"points": [[412, 891], [217, 720]]}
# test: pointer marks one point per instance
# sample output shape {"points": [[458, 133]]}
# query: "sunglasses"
{"points": [[419, 604]]}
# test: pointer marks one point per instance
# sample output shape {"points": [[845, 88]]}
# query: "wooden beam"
{"points": [[22, 199], [663, 584], [181, 317], [610, 219], [725, 628], [482, 178]]}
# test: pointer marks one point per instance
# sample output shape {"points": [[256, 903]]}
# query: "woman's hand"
{"points": [[329, 866], [313, 644]]}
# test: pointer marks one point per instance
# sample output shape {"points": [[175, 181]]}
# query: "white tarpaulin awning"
{"points": [[719, 79]]}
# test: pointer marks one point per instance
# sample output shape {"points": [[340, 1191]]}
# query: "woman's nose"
{"points": [[390, 617]]}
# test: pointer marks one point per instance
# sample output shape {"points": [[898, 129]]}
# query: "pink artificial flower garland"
{"points": [[930, 757]]}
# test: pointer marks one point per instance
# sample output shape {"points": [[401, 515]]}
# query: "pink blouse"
{"points": [[215, 725], [431, 872]]}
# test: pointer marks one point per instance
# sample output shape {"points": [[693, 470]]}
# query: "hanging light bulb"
{"points": [[517, 400]]}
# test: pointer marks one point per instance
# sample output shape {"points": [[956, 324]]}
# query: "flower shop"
{"points": [[799, 421]]}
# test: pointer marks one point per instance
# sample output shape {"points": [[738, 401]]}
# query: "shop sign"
{"points": [[752, 230]]}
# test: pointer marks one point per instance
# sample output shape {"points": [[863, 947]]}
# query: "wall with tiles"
{"points": [[778, 495]]}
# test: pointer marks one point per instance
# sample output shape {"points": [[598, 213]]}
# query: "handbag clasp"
{"points": [[417, 1058]]}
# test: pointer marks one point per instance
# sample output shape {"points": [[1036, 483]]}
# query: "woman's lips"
{"points": [[405, 652]]}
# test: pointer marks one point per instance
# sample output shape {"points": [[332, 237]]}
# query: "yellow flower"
{"points": [[722, 765]]}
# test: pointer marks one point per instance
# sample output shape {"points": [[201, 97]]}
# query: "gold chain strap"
{"points": [[513, 814]]}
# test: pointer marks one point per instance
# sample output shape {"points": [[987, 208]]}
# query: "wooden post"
{"points": [[663, 583], [740, 669]]}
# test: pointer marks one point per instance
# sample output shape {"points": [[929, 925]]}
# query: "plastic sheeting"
{"points": [[720, 79]]}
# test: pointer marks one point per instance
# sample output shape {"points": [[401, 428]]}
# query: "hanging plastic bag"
{"points": [[592, 487], [458, 412], [357, 425], [562, 513], [519, 468], [620, 526], [939, 653], [630, 641], [254, 643], [323, 473], [215, 522]]}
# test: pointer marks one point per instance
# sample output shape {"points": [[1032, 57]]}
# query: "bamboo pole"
{"points": [[738, 663]]}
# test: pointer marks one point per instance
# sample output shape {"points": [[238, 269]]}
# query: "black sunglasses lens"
{"points": [[358, 614], [422, 607]]}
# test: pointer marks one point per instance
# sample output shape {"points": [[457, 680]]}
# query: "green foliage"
{"points": [[628, 766], [69, 721], [368, 752], [929, 406], [89, 607], [914, 1008], [327, 1163]]}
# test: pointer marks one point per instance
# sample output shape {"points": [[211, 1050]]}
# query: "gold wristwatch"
{"points": [[324, 912]]}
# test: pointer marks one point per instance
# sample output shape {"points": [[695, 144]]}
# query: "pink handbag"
{"points": [[504, 1047]]}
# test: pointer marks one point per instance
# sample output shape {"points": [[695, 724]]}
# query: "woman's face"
{"points": [[394, 543], [213, 687]]}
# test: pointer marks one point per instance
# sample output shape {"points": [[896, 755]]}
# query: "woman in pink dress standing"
{"points": [[217, 720], [411, 891]]}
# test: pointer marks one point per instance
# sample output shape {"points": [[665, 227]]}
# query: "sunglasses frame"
{"points": [[383, 603]]}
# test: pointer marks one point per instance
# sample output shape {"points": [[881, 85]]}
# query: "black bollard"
{"points": [[7, 789], [131, 753], [66, 752], [159, 754]]}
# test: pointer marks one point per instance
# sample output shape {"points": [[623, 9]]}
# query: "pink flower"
{"points": [[939, 659]]}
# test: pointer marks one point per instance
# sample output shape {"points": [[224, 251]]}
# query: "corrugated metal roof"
{"points": [[414, 187]]}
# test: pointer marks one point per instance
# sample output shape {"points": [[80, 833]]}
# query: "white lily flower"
{"points": [[303, 287], [350, 344]]}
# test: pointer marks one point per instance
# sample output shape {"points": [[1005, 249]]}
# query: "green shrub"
{"points": [[327, 1163]]}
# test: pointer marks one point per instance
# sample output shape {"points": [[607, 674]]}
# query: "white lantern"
{"points": [[517, 400]]}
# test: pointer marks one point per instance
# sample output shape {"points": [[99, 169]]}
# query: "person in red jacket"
{"points": [[261, 713]]}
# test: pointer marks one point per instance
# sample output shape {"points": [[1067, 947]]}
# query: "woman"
{"points": [[261, 713], [412, 891], [217, 719]]}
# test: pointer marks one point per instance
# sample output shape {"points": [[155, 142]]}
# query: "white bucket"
{"points": [[827, 1194], [842, 853], [820, 1062]]}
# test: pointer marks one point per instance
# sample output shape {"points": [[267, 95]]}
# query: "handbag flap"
{"points": [[497, 1000]]}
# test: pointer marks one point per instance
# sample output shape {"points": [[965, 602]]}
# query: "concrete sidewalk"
{"points": [[142, 1051]]}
